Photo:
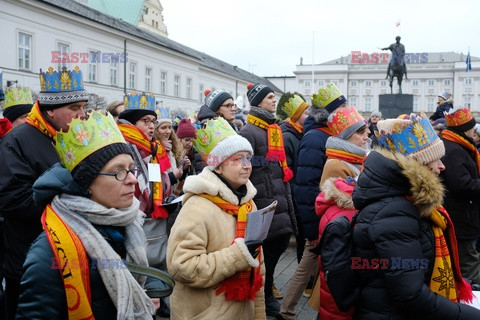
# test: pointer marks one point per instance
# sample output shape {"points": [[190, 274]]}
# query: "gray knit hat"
{"points": [[215, 99]]}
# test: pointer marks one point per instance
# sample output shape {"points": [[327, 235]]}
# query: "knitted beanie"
{"points": [[87, 170], [431, 149], [215, 99], [133, 115], [186, 129], [15, 112], [257, 92], [376, 113], [227, 148]]}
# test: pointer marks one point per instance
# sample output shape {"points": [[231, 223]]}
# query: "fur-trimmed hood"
{"points": [[207, 182], [335, 191], [389, 174]]}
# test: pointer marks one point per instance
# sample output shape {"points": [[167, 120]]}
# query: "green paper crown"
{"points": [[16, 96], [85, 137], [326, 95], [213, 132], [293, 104]]}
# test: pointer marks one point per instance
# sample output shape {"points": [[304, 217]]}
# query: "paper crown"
{"points": [[163, 113], [294, 105], [213, 132], [328, 97], [85, 137], [342, 119], [66, 80], [458, 118], [139, 101], [406, 136], [15, 96]]}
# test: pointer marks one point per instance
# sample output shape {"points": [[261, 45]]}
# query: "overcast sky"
{"points": [[268, 37]]}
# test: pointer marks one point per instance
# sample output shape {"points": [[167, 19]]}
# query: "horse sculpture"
{"points": [[396, 67]]}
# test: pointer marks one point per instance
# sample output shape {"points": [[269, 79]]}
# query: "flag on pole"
{"points": [[397, 24], [468, 62]]}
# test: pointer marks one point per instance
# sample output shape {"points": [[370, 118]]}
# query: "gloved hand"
{"points": [[254, 247]]}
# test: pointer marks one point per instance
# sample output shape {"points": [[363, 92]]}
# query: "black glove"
{"points": [[254, 247]]}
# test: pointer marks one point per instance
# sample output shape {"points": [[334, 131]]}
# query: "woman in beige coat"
{"points": [[217, 275]]}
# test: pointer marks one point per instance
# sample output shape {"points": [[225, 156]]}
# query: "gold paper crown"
{"points": [[343, 119], [85, 137], [329, 97], [458, 118], [294, 104], [15, 96], [213, 132]]}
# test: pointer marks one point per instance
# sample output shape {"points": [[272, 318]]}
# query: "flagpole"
{"points": [[468, 77]]}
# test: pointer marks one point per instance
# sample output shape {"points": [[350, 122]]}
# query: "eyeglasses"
{"points": [[229, 105], [121, 174], [187, 140], [149, 121]]}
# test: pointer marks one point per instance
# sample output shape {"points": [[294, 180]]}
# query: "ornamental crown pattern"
{"points": [[213, 132]]}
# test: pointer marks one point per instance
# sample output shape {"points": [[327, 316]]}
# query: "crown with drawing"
{"points": [[61, 87], [15, 96], [213, 132], [163, 113], [328, 97], [139, 101], [414, 137], [459, 118], [343, 119], [85, 137], [294, 107]]}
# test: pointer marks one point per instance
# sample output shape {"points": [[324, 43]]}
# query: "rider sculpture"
{"points": [[396, 67]]}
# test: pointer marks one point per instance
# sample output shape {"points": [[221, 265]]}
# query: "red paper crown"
{"points": [[458, 118], [343, 119]]}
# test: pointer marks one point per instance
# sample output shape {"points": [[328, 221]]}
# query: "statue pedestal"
{"points": [[393, 105]]}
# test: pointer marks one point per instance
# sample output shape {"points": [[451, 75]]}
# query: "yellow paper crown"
{"points": [[213, 132], [343, 119], [294, 105], [328, 97], [85, 137], [15, 96]]}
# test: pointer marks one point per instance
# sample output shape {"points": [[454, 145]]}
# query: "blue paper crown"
{"points": [[139, 101], [407, 140], [163, 112], [66, 80]]}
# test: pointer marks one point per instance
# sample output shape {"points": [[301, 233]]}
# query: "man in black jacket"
{"points": [[26, 152], [462, 181]]}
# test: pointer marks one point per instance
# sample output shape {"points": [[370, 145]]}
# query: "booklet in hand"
{"points": [[258, 223]]}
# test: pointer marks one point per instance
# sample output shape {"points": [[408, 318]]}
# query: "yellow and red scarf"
{"points": [[70, 256], [240, 286], [276, 148], [446, 278], [36, 120], [345, 156], [454, 137], [159, 155], [295, 125]]}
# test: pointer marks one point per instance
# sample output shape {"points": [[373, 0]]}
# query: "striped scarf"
{"points": [[295, 125], [446, 279], [344, 150], [159, 156], [244, 284], [455, 137], [36, 120], [276, 148]]}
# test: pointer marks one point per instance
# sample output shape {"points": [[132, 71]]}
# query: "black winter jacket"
{"points": [[291, 140], [462, 183], [25, 154], [391, 227], [267, 177]]}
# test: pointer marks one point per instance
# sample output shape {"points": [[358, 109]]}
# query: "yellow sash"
{"points": [[70, 257]]}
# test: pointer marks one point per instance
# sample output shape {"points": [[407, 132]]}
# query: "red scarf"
{"points": [[137, 137], [36, 120], [345, 156], [244, 284], [455, 137], [276, 148], [5, 127]]}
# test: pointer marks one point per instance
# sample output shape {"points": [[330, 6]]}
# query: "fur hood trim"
{"points": [[338, 190], [426, 188], [207, 182]]}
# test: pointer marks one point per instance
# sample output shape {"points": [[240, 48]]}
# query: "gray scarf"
{"points": [[262, 113], [344, 145], [125, 291]]}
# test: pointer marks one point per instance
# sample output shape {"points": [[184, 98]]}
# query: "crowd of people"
{"points": [[85, 196]]}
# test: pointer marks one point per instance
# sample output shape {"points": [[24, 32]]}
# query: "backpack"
{"points": [[336, 249]]}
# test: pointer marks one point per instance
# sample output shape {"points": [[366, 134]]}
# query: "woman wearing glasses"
{"points": [[75, 268], [221, 102]]}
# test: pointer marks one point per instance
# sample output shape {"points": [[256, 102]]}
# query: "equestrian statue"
{"points": [[396, 67]]}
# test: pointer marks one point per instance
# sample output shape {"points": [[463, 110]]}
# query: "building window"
{"points": [[368, 104], [148, 79], [24, 51], [447, 82], [114, 72], [415, 103], [201, 88], [368, 83], [353, 83], [353, 101], [430, 104], [335, 82], [163, 82], [176, 85], [383, 83], [307, 83], [94, 57], [468, 80], [320, 83], [431, 82], [189, 88], [64, 49], [132, 69], [415, 83]]}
